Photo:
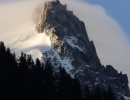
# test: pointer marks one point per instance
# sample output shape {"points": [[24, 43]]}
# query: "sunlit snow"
{"points": [[31, 42]]}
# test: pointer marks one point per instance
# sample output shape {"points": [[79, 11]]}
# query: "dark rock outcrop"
{"points": [[70, 41]]}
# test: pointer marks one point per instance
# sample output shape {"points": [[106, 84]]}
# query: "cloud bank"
{"points": [[110, 40]]}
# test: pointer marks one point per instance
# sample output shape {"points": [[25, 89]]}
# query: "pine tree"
{"points": [[110, 94], [96, 95], [22, 79], [49, 82], [87, 93], [75, 90]]}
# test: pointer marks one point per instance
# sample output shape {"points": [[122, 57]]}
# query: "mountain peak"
{"points": [[72, 49], [50, 11], [53, 4]]}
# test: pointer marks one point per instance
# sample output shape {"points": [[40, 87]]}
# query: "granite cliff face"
{"points": [[72, 49]]}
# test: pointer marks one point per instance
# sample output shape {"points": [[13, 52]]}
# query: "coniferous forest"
{"points": [[21, 78]]}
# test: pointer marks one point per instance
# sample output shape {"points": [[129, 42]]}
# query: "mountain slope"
{"points": [[62, 38], [70, 40]]}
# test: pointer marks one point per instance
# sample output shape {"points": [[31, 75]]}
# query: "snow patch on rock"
{"points": [[58, 60], [73, 42]]}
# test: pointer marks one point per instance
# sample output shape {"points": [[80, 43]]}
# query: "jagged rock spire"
{"points": [[71, 44], [57, 0]]}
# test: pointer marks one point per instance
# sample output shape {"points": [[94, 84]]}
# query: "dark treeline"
{"points": [[23, 79]]}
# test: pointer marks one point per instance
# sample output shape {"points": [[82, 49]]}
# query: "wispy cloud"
{"points": [[110, 40]]}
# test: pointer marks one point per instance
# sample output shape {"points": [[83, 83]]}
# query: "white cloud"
{"points": [[110, 40], [13, 16]]}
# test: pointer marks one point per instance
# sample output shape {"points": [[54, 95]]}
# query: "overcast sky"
{"points": [[107, 23]]}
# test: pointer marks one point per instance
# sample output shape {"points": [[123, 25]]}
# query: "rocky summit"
{"points": [[72, 49]]}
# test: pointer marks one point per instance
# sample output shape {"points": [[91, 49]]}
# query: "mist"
{"points": [[110, 40]]}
